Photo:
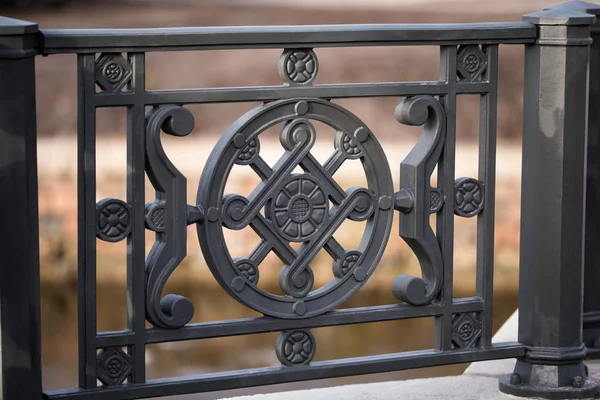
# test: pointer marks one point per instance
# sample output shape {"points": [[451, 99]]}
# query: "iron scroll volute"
{"points": [[413, 199], [169, 249]]}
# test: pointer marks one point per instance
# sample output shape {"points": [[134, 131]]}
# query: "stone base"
{"points": [[589, 390]]}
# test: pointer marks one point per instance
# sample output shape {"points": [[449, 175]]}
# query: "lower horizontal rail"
{"points": [[277, 375], [247, 326]]}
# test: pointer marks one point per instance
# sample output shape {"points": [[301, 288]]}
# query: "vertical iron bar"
{"points": [[445, 218], [86, 188], [136, 251], [553, 209], [487, 175], [20, 340]]}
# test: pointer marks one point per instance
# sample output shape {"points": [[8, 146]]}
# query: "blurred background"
{"points": [[56, 102]]}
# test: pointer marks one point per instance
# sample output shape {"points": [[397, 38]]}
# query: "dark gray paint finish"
{"points": [[87, 225], [308, 207], [281, 192], [415, 177], [20, 340], [591, 299], [136, 153], [553, 210], [214, 38], [274, 375]]}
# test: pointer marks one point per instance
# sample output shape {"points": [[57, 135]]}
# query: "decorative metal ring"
{"points": [[468, 197], [113, 219], [290, 207], [295, 348], [298, 66]]}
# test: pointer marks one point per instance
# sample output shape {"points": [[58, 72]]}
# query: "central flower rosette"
{"points": [[299, 209]]}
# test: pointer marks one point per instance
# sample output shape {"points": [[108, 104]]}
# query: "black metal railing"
{"points": [[307, 208]]}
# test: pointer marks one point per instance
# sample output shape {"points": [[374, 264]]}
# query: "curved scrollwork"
{"points": [[290, 207], [168, 216], [413, 200]]}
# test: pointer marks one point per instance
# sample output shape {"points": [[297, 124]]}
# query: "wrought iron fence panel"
{"points": [[286, 206], [298, 205]]}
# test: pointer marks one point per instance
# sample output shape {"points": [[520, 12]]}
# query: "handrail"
{"points": [[245, 37]]}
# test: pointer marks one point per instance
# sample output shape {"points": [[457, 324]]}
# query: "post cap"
{"points": [[580, 6], [16, 27], [560, 16]]}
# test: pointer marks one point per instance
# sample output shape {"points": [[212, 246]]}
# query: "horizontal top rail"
{"points": [[212, 38]]}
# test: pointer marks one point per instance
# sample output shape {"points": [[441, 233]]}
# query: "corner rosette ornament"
{"points": [[113, 366], [287, 207], [471, 63], [466, 330], [113, 72]]}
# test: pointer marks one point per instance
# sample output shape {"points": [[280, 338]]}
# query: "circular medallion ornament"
{"points": [[295, 347], [466, 331], [248, 153], [298, 66], [299, 208], [471, 63], [113, 72], [247, 270], [288, 207], [342, 266], [113, 218], [114, 367], [468, 197]]}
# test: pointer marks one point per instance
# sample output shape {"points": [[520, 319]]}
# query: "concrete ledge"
{"points": [[454, 387]]}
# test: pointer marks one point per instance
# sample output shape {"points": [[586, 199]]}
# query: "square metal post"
{"points": [[553, 209], [591, 294], [20, 360]]}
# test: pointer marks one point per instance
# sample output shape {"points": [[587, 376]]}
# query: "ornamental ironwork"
{"points": [[466, 330], [296, 207], [114, 220], [114, 366], [471, 63], [298, 66], [113, 72], [469, 197], [295, 347]]}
